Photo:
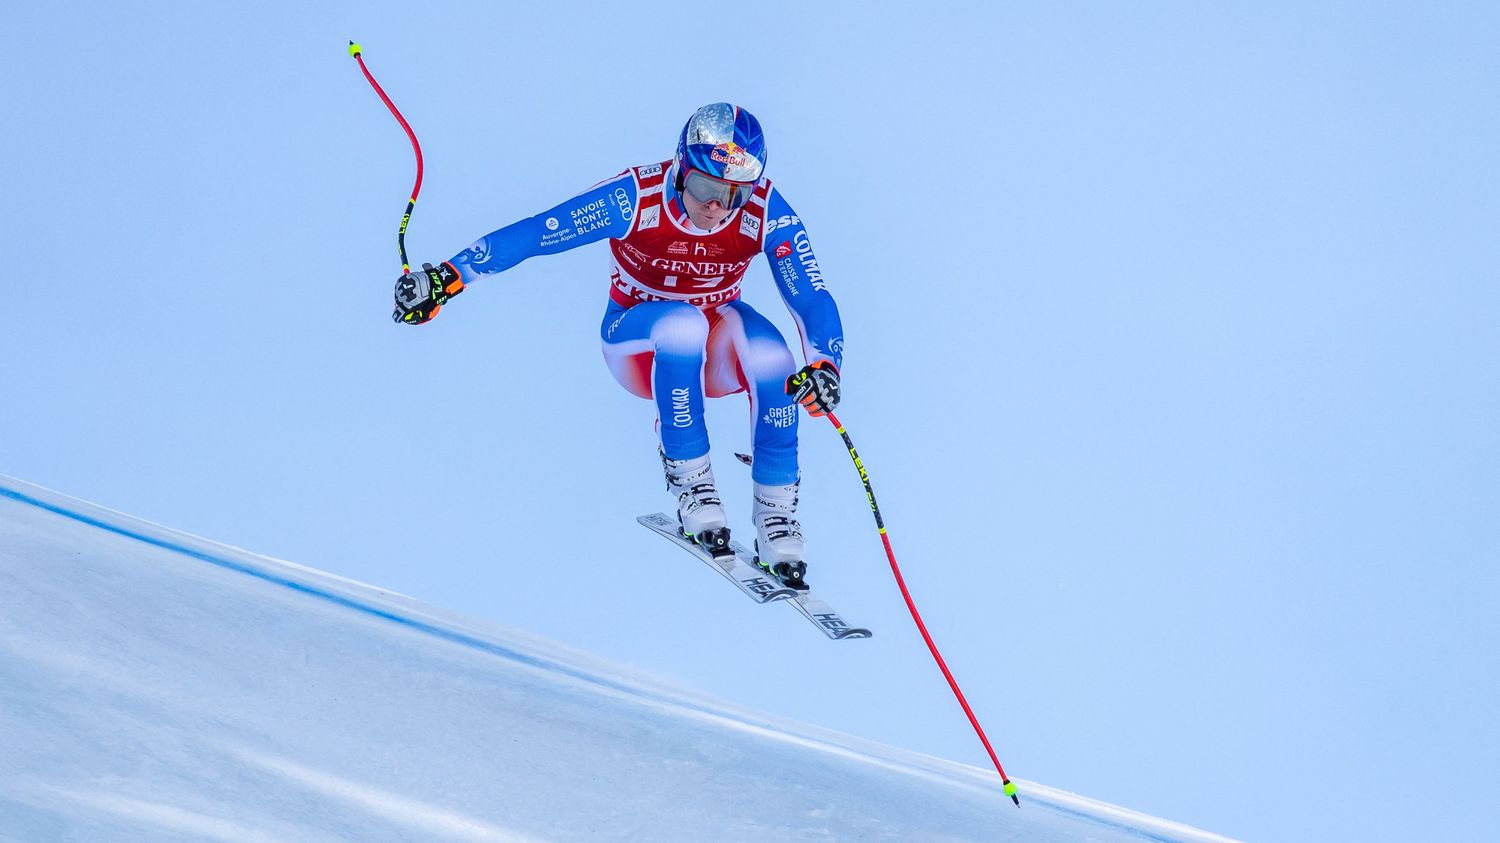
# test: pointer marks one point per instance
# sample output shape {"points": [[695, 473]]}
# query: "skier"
{"points": [[682, 233]]}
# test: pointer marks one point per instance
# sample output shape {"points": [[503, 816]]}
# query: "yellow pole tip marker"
{"points": [[354, 49]]}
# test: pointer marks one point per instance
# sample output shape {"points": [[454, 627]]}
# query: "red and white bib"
{"points": [[663, 258]]}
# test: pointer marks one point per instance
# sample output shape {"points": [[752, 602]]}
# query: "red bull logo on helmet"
{"points": [[730, 153]]}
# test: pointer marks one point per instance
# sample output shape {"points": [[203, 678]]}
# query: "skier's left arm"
{"points": [[800, 282]]}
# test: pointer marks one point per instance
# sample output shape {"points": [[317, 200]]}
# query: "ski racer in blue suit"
{"points": [[682, 233]]}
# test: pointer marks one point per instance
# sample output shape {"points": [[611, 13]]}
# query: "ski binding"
{"points": [[741, 567]]}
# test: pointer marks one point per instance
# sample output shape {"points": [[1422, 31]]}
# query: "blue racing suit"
{"points": [[674, 329]]}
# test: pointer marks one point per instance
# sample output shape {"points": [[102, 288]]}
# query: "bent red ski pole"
{"points": [[355, 51], [1010, 789]]}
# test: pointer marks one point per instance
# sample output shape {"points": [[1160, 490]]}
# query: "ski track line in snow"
{"points": [[175, 819], [417, 816]]}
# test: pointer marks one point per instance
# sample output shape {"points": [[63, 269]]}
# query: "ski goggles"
{"points": [[705, 188]]}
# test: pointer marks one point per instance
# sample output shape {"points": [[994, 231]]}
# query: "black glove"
{"points": [[816, 387], [422, 292]]}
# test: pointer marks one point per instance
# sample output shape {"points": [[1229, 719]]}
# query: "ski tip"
{"points": [[1010, 790], [354, 50], [744, 458]]}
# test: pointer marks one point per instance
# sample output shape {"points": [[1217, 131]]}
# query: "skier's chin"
{"points": [[709, 222]]}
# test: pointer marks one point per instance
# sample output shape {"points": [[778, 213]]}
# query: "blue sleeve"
{"points": [[801, 283], [604, 210]]}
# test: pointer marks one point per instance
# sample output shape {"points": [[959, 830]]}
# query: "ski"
{"points": [[739, 567], [822, 616], [735, 565]]}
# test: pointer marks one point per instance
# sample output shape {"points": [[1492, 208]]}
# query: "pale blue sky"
{"points": [[1171, 350]]}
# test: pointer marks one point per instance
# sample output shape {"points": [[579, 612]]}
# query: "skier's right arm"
{"points": [[604, 210]]}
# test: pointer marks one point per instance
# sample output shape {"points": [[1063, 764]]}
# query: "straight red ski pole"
{"points": [[355, 51], [1009, 787]]}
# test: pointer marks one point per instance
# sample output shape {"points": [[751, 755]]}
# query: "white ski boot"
{"points": [[698, 508], [778, 536]]}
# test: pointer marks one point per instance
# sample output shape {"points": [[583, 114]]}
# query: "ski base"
{"points": [[740, 568]]}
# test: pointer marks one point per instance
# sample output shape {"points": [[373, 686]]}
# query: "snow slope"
{"points": [[155, 686]]}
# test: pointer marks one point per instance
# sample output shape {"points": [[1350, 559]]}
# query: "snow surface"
{"points": [[156, 686]]}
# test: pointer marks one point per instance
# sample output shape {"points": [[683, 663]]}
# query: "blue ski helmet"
{"points": [[723, 141]]}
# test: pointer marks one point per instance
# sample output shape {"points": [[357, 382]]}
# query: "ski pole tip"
{"points": [[354, 50], [1010, 790]]}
